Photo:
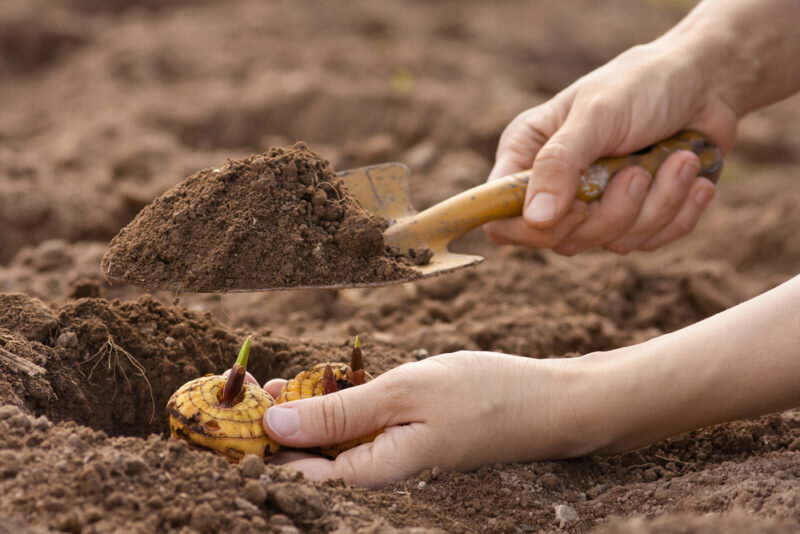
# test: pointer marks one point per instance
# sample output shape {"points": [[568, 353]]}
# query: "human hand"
{"points": [[456, 411], [641, 97]]}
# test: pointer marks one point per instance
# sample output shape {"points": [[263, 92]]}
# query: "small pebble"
{"points": [[280, 520], [252, 466], [320, 198], [565, 514], [67, 339], [203, 518], [595, 491], [245, 506], [71, 522], [21, 421], [254, 492], [42, 423], [632, 458], [651, 475], [425, 475], [134, 466], [288, 473], [10, 464], [436, 472], [420, 354], [8, 410], [550, 481], [422, 485]]}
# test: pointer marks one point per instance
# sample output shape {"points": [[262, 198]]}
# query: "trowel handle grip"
{"points": [[597, 177], [505, 196]]}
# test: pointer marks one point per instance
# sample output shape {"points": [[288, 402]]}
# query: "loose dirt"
{"points": [[276, 220], [116, 102]]}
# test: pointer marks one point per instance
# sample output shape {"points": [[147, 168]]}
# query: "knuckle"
{"points": [[554, 157], [514, 129], [599, 105], [334, 417]]}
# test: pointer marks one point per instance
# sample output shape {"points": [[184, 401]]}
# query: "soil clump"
{"points": [[280, 219]]}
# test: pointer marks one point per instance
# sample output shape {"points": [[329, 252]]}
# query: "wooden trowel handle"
{"points": [[504, 197]]}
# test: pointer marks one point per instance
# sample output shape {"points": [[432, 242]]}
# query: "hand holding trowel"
{"points": [[383, 191]]}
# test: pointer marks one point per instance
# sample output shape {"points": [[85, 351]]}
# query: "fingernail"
{"points": [[541, 208], [688, 171], [283, 420], [703, 197], [570, 249], [639, 184]]}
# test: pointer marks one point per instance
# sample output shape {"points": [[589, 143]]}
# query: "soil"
{"points": [[280, 219], [116, 102]]}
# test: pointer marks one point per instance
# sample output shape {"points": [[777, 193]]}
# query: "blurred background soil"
{"points": [[106, 104]]}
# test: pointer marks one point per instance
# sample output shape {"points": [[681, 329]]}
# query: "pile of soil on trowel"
{"points": [[280, 219]]}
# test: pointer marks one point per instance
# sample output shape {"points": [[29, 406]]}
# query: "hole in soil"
{"points": [[113, 365]]}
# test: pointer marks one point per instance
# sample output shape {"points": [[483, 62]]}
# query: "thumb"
{"points": [[556, 173], [347, 414]]}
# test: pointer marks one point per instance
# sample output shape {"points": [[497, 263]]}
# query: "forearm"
{"points": [[746, 50], [740, 363]]}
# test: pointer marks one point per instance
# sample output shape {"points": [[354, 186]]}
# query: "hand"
{"points": [[456, 411], [462, 410], [641, 97]]}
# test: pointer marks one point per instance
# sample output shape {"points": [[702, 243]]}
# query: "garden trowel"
{"points": [[384, 191]]}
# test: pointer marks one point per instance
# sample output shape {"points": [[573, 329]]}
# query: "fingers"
{"points": [[699, 198], [336, 417], [394, 454], [274, 386], [635, 212], [556, 172], [516, 231], [667, 196], [522, 139], [613, 214]]}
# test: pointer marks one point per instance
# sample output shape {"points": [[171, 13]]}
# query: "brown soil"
{"points": [[116, 102], [280, 219]]}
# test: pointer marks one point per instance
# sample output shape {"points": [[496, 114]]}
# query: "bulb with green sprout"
{"points": [[325, 378], [223, 414]]}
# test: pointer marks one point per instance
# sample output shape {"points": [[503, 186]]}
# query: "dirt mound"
{"points": [[105, 484], [279, 219]]}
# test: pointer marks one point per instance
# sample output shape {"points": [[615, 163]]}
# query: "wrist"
{"points": [[744, 51], [574, 396], [726, 71], [614, 399]]}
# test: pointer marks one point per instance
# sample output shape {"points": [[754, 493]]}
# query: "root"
{"points": [[112, 354]]}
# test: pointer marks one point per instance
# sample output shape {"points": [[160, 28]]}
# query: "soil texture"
{"points": [[110, 104]]}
